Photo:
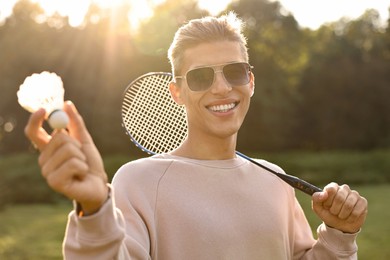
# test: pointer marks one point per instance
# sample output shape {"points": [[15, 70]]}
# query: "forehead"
{"points": [[212, 53]]}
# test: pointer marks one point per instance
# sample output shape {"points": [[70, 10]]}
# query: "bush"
{"points": [[21, 181], [351, 167]]}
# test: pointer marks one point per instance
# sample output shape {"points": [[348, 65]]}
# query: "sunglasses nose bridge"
{"points": [[218, 85], [220, 70]]}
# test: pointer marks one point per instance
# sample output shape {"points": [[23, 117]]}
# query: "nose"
{"points": [[220, 84]]}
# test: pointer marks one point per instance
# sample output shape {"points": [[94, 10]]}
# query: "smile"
{"points": [[222, 108]]}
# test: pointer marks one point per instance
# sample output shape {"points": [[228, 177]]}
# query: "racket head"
{"points": [[151, 118]]}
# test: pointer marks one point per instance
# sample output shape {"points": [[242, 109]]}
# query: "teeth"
{"points": [[222, 108]]}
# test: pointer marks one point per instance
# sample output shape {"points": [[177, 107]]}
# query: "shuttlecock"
{"points": [[44, 90]]}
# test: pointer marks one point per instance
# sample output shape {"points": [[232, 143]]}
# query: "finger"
{"points": [[331, 189], [59, 139], [319, 197], [78, 130], [34, 130], [349, 205], [71, 171], [68, 151], [77, 126], [339, 199], [360, 210]]}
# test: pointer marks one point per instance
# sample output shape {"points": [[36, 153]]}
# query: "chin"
{"points": [[225, 132]]}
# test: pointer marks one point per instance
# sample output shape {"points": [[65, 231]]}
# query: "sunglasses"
{"points": [[201, 79]]}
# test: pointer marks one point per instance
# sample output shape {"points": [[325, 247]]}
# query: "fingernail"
{"points": [[321, 195]]}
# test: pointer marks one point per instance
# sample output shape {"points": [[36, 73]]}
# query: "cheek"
{"points": [[246, 101], [190, 99]]}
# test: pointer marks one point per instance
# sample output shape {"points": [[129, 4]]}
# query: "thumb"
{"points": [[318, 200], [78, 130], [34, 130], [76, 126], [319, 197]]}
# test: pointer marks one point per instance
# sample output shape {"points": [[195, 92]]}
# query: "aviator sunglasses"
{"points": [[201, 79]]}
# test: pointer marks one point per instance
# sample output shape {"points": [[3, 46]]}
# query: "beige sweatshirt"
{"points": [[168, 207]]}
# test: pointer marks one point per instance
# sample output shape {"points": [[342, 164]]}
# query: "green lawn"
{"points": [[36, 231], [32, 231]]}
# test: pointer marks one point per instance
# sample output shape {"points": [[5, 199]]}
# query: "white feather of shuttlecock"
{"points": [[44, 90]]}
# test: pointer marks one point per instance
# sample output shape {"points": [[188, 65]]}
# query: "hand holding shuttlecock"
{"points": [[44, 90]]}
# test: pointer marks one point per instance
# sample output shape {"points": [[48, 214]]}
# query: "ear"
{"points": [[175, 91], [252, 84]]}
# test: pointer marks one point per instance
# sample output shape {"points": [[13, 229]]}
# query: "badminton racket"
{"points": [[156, 124]]}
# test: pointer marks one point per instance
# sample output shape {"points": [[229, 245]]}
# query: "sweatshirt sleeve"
{"points": [[100, 236], [331, 243]]}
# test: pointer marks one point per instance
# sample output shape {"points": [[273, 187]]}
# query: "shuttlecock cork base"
{"points": [[44, 90], [58, 119]]}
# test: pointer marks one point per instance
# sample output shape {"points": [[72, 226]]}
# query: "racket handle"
{"points": [[299, 184], [293, 181]]}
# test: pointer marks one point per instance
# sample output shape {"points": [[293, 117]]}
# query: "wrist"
{"points": [[87, 208]]}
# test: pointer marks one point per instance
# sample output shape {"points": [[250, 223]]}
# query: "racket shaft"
{"points": [[293, 181], [299, 184]]}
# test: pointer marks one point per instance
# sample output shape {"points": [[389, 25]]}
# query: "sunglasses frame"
{"points": [[216, 70]]}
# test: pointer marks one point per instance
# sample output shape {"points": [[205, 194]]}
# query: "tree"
{"points": [[343, 88], [156, 34], [278, 53]]}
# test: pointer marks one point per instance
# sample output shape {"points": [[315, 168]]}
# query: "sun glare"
{"points": [[76, 9], [313, 14], [308, 13], [214, 7], [108, 3]]}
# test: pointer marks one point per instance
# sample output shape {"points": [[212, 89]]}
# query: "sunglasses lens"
{"points": [[200, 79], [237, 74]]}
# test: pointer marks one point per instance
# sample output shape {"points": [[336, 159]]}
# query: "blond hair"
{"points": [[205, 30]]}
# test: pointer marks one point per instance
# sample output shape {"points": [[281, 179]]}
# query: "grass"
{"points": [[36, 231], [32, 231]]}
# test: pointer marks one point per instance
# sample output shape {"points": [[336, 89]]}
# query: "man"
{"points": [[199, 201]]}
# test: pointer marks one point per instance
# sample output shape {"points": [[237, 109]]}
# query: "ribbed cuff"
{"points": [[337, 240], [105, 224]]}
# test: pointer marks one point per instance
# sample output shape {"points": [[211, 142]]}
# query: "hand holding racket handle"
{"points": [[293, 181]]}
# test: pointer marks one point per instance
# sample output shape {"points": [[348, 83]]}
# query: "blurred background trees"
{"points": [[315, 89]]}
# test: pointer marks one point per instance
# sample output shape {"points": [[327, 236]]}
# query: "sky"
{"points": [[314, 13], [308, 13]]}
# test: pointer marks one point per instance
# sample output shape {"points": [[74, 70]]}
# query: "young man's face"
{"points": [[219, 110]]}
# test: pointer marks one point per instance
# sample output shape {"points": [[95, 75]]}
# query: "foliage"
{"points": [[323, 89], [321, 168], [21, 182], [156, 34], [345, 87], [277, 50]]}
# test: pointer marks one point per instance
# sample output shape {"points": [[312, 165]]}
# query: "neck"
{"points": [[207, 149]]}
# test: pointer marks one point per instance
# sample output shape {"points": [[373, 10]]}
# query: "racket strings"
{"points": [[154, 121]]}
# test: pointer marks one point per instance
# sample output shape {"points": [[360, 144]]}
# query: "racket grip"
{"points": [[300, 184]]}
